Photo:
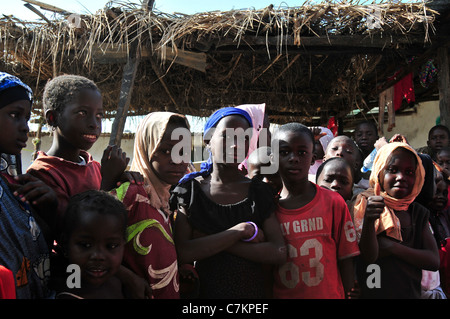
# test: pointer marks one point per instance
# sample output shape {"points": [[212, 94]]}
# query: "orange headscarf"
{"points": [[388, 221]]}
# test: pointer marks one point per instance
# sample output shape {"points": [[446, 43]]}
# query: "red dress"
{"points": [[150, 249]]}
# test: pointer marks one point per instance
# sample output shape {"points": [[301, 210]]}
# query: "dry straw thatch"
{"points": [[307, 62]]}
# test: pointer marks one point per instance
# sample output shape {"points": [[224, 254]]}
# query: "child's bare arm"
{"points": [[271, 251], [426, 258], [190, 249], [368, 244], [347, 273]]}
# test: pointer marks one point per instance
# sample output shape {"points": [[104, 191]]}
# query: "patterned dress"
{"points": [[150, 250], [23, 249]]}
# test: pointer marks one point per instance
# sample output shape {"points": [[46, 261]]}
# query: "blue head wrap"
{"points": [[206, 167], [8, 81]]}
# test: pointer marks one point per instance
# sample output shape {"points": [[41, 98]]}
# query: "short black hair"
{"points": [[439, 126], [294, 127], [329, 162], [444, 149], [368, 122], [95, 200], [62, 89]]}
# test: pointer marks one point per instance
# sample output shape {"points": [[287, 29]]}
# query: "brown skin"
{"points": [[226, 185], [396, 181]]}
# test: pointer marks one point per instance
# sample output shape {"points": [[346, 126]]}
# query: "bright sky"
{"points": [[16, 8]]}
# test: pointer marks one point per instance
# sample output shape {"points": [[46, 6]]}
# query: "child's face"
{"points": [[438, 139], [338, 178], [295, 155], [344, 147], [80, 122], [161, 161], [273, 180], [440, 198], [365, 137], [226, 147], [14, 121], [398, 177], [443, 159], [97, 246]]}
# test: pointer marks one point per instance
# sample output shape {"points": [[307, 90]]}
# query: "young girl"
{"points": [[93, 238], [150, 250], [23, 249], [316, 225], [393, 230], [225, 221]]}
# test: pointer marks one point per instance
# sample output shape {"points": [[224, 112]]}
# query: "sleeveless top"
{"points": [[225, 275], [399, 279]]}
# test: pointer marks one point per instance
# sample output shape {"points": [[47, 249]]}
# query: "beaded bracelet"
{"points": [[254, 235]]}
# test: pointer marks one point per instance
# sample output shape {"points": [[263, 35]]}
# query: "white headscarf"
{"points": [[148, 136]]}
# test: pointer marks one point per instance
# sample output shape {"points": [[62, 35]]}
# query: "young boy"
{"points": [[74, 109], [443, 160], [316, 225], [336, 174], [260, 158]]}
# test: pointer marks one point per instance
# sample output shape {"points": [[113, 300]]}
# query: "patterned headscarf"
{"points": [[388, 221], [149, 134]]}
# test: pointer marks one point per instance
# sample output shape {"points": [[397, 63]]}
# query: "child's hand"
{"points": [[375, 206], [354, 293], [189, 281], [317, 133], [248, 231], [35, 192], [114, 162], [132, 177]]}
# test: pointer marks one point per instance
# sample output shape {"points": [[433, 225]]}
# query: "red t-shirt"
{"points": [[317, 236], [66, 178]]}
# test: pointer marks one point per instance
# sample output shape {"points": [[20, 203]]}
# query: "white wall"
{"points": [[414, 126]]}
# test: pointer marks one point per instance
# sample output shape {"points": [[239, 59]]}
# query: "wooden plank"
{"points": [[47, 7], [444, 85], [194, 60], [350, 41], [39, 13]]}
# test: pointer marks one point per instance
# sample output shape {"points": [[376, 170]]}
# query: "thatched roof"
{"points": [[306, 63]]}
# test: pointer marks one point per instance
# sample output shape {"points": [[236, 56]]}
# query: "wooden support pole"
{"points": [[126, 89], [444, 85]]}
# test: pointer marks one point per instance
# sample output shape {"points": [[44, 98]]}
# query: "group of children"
{"points": [[313, 228]]}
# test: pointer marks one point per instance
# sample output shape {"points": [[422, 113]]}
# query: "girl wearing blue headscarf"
{"points": [[225, 221], [23, 249]]}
